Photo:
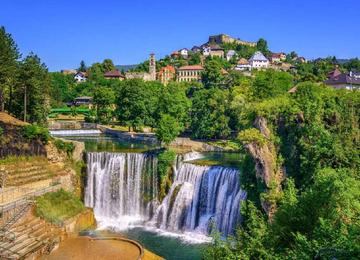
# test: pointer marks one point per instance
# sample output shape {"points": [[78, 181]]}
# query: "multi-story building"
{"points": [[258, 61], [189, 73], [166, 74], [278, 57], [216, 51]]}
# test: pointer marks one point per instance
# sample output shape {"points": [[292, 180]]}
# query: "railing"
{"points": [[10, 193], [22, 200]]}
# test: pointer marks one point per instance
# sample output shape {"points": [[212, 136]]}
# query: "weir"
{"points": [[123, 190], [75, 132]]}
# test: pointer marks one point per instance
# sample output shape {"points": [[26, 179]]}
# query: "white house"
{"points": [[206, 51], [230, 54], [80, 77], [184, 52], [258, 60]]}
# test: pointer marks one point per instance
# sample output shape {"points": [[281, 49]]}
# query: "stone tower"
{"points": [[152, 66]]}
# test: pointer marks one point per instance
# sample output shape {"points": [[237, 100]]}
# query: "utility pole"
{"points": [[25, 103]]}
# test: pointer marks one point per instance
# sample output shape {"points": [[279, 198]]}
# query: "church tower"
{"points": [[152, 66]]}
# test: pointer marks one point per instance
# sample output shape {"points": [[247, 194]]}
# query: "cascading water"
{"points": [[122, 189], [75, 132], [200, 196]]}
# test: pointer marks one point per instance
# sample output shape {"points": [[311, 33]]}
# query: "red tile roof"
{"points": [[334, 73], [113, 74], [243, 61], [168, 67], [191, 67]]}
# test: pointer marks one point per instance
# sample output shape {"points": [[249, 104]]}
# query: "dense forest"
{"points": [[302, 164]]}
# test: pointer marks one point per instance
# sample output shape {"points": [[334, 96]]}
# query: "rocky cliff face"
{"points": [[266, 167]]}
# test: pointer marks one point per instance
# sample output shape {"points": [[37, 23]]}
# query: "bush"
{"points": [[32, 132], [165, 160], [58, 206], [67, 147], [1, 131], [251, 135]]}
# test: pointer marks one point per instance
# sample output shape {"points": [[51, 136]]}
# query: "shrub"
{"points": [[58, 206], [165, 160], [251, 135], [32, 132], [67, 147]]}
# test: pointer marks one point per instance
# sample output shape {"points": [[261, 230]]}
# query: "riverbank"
{"points": [[180, 144]]}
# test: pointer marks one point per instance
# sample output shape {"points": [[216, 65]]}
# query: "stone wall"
{"points": [[82, 221], [223, 38]]}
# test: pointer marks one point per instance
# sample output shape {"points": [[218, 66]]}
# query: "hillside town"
{"points": [[219, 47]]}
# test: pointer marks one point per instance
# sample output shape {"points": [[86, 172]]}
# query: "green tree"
{"points": [[271, 83], [32, 94], [131, 103], [96, 72], [194, 58], [173, 101], [82, 67], [103, 99], [62, 88], [212, 75], [9, 55], [108, 65], [209, 114], [262, 46], [167, 129]]}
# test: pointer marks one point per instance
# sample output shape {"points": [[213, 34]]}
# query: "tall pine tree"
{"points": [[9, 55]]}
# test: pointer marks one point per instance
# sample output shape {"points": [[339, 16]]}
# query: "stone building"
{"points": [[216, 51], [146, 76], [189, 73], [223, 38]]}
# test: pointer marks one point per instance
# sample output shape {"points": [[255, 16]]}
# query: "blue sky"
{"points": [[64, 32]]}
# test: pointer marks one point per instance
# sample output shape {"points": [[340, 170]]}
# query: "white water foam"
{"points": [[75, 132], [123, 188]]}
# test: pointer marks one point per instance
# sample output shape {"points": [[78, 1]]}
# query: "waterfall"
{"points": [[75, 132], [123, 190], [199, 196], [192, 156], [121, 186]]}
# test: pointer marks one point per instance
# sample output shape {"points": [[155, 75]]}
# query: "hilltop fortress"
{"points": [[224, 38]]}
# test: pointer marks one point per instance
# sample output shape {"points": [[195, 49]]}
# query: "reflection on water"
{"points": [[171, 248], [108, 143], [219, 159]]}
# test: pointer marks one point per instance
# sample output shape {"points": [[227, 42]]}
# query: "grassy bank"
{"points": [[58, 206]]}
